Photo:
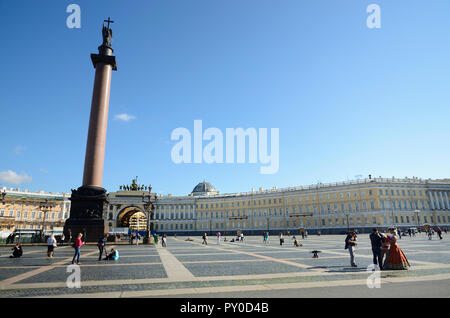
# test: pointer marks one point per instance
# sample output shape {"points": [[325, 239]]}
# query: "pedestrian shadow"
{"points": [[340, 269]]}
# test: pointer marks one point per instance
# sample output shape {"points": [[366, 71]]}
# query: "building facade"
{"points": [[24, 210], [329, 208]]}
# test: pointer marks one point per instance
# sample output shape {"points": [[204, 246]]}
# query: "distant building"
{"points": [[24, 209], [331, 208]]}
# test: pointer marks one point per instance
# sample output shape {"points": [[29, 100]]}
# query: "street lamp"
{"points": [[149, 207], [416, 212], [348, 226], [44, 207]]}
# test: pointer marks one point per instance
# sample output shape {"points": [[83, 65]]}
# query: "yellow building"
{"points": [[32, 210], [328, 208]]}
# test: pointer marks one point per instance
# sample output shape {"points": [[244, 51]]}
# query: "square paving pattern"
{"points": [[191, 268]]}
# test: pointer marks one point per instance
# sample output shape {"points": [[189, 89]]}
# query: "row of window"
{"points": [[327, 196], [32, 214], [34, 204], [358, 221], [354, 206]]}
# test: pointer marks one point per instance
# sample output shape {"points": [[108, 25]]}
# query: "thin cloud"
{"points": [[43, 170], [124, 117], [10, 176], [18, 150]]}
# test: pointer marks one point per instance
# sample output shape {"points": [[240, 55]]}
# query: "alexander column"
{"points": [[87, 211]]}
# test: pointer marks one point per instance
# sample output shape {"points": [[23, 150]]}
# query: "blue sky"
{"points": [[348, 100]]}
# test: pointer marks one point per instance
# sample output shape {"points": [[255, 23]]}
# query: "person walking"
{"points": [[218, 238], [62, 240], [350, 244], [138, 237], [77, 245], [164, 240], [430, 233], [306, 234], [204, 237], [131, 239], [101, 244], [51, 244], [376, 240], [303, 235], [439, 232], [281, 239]]}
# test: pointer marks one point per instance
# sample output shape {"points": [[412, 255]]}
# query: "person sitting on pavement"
{"points": [[114, 255], [296, 244], [17, 251]]}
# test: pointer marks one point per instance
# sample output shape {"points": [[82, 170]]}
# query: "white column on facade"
{"points": [[431, 200], [446, 198], [114, 212], [184, 212], [438, 207], [442, 201]]}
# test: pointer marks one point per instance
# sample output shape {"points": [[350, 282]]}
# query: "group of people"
{"points": [[430, 233], [135, 238], [387, 254]]}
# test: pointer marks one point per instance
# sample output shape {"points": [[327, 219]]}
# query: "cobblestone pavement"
{"points": [[249, 268]]}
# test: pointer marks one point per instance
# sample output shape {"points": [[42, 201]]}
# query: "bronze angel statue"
{"points": [[107, 36]]}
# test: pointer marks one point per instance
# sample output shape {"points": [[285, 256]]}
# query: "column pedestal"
{"points": [[87, 214]]}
